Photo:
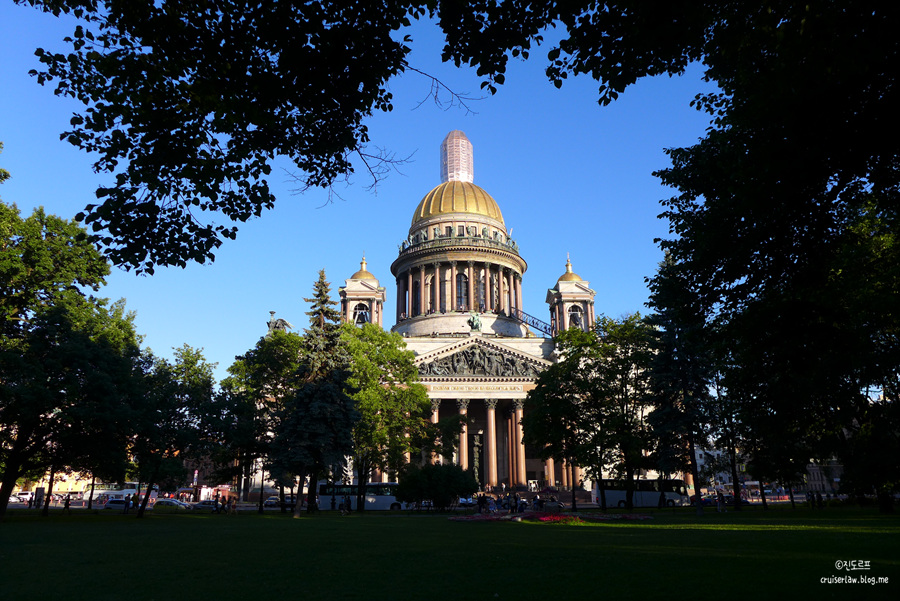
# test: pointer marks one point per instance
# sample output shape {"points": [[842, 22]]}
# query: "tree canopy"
{"points": [[393, 406], [172, 417], [66, 358], [254, 396], [188, 103]]}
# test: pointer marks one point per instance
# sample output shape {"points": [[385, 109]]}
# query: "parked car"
{"points": [[169, 506], [207, 505], [290, 501], [116, 504], [554, 505], [24, 496]]}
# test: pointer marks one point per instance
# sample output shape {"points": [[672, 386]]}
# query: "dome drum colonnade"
{"points": [[458, 257]]}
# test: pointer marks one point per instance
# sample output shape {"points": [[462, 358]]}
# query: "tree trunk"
{"points": [[245, 480], [46, 510], [298, 506], [629, 488], [143, 506], [10, 475], [16, 459], [363, 478], [281, 497], [601, 489], [573, 483], [735, 485], [91, 497], [762, 495], [791, 492], [262, 488], [695, 474], [312, 504]]}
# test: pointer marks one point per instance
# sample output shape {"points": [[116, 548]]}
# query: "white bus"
{"points": [[103, 491], [646, 493], [380, 496]]}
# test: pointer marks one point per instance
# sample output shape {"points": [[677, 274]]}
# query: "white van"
{"points": [[25, 496]]}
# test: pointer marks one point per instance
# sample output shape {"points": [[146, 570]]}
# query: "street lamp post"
{"points": [[476, 452]]}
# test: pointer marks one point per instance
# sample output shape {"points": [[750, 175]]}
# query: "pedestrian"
{"points": [[819, 502], [66, 505], [720, 501]]}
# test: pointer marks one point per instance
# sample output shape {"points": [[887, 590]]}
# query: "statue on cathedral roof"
{"points": [[277, 325]]}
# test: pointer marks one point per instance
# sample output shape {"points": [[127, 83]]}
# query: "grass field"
{"points": [[778, 554]]}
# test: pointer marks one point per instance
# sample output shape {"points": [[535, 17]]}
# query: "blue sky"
{"points": [[570, 177]]}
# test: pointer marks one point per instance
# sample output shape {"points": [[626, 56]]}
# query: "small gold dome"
{"points": [[457, 197], [363, 273], [569, 275]]}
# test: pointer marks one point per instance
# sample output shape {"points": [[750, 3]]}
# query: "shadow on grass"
{"points": [[422, 556]]}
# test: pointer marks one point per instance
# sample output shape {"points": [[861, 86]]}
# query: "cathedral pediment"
{"points": [[479, 359]]}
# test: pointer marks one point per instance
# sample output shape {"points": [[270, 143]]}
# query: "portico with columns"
{"points": [[486, 381]]}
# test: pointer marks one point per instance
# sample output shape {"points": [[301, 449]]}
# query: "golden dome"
{"points": [[569, 275], [363, 273], [457, 197]]}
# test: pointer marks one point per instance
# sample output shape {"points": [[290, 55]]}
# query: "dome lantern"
{"points": [[363, 273], [569, 275]]}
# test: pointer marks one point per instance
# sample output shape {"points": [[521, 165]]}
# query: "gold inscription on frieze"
{"points": [[476, 387]]}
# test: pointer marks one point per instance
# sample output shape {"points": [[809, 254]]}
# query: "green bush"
{"points": [[440, 484]]}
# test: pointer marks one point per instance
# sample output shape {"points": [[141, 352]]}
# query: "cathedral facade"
{"points": [[459, 279]]}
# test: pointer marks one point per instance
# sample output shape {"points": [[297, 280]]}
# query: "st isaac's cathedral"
{"points": [[459, 279]]}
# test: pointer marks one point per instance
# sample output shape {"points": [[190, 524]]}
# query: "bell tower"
{"points": [[362, 299], [571, 302]]}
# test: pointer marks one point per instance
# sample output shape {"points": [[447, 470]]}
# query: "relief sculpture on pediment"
{"points": [[477, 361]]}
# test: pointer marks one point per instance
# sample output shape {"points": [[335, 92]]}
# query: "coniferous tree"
{"points": [[316, 425], [680, 373]]}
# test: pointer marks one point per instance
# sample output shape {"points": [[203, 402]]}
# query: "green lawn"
{"points": [[764, 555]]}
